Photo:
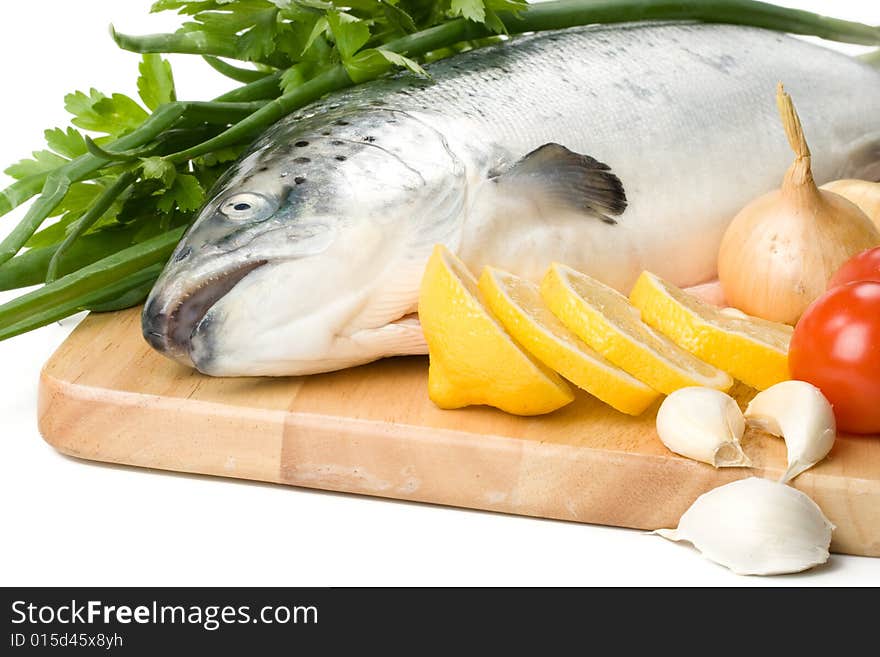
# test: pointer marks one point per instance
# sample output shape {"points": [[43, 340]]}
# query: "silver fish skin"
{"points": [[308, 256]]}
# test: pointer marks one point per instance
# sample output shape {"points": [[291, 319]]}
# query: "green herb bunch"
{"points": [[125, 180]]}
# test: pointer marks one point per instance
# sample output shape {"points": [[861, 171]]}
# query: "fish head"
{"points": [[283, 263]]}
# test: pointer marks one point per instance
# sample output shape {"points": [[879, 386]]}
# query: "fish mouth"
{"points": [[169, 328]]}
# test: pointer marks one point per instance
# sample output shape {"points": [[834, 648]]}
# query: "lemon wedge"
{"points": [[753, 350], [605, 320], [518, 306], [472, 358]]}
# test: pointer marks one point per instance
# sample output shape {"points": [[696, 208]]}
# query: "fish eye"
{"points": [[247, 206]]}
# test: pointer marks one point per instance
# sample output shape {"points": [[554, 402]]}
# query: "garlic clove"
{"points": [[799, 413], [703, 424], [756, 527]]}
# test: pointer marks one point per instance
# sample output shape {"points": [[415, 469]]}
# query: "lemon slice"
{"points": [[753, 350], [605, 320], [472, 358], [518, 305]]}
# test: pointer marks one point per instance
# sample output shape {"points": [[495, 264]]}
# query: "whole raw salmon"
{"points": [[611, 149]]}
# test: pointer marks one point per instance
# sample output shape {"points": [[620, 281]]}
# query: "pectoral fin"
{"points": [[403, 337], [552, 174]]}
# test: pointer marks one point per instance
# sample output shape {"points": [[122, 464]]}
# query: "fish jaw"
{"points": [[169, 321], [263, 327], [201, 272]]}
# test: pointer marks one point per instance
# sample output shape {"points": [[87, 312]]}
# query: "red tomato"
{"points": [[836, 347], [863, 267]]}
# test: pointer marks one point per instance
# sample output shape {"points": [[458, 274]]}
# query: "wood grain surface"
{"points": [[106, 396]]}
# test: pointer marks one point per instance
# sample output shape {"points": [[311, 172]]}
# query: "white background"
{"points": [[67, 522]]}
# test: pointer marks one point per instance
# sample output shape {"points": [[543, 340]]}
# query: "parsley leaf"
{"points": [[114, 115], [473, 10], [186, 6], [219, 156], [404, 62], [350, 33], [120, 114], [54, 233], [259, 41], [41, 162], [82, 107], [486, 11], [158, 168], [156, 82], [69, 143], [367, 63], [320, 28], [78, 198], [397, 17], [186, 194]]}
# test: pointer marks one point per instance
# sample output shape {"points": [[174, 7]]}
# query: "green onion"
{"points": [[116, 295], [77, 288]]}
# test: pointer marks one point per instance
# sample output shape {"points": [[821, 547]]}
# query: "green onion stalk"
{"points": [[147, 182]]}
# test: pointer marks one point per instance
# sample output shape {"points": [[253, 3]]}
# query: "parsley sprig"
{"points": [[126, 178]]}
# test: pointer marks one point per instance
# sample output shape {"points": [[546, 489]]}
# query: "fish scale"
{"points": [[345, 198]]}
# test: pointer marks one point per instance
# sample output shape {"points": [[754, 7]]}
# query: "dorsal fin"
{"points": [[554, 174]]}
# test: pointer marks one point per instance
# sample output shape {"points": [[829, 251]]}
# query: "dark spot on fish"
{"points": [[301, 144], [337, 142], [302, 160], [182, 254], [326, 133], [341, 158], [391, 121], [341, 122], [299, 180], [261, 169], [334, 106], [369, 139]]}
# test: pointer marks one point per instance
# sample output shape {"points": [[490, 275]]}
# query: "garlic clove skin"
{"points": [[756, 527], [703, 424], [799, 413]]}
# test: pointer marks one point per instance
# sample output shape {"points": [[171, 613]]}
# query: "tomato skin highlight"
{"points": [[836, 347], [863, 267]]}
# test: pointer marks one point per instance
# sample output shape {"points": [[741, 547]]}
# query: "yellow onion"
{"points": [[780, 250], [861, 192]]}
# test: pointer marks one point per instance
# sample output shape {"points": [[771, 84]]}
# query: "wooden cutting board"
{"points": [[106, 396]]}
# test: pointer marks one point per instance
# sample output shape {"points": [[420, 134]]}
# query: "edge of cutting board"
{"points": [[402, 460]]}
